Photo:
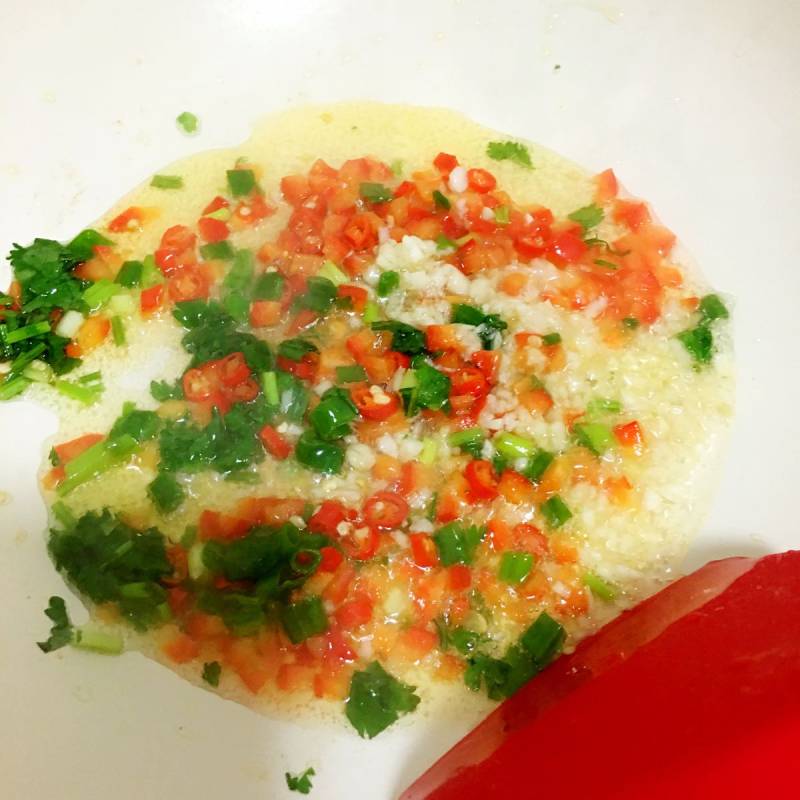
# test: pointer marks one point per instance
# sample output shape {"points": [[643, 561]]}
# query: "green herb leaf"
{"points": [[319, 295], [130, 274], [165, 492], [510, 151], [376, 192], [353, 373], [304, 619], [300, 783], [457, 542], [377, 700], [555, 511], [241, 181], [163, 391], [699, 342], [549, 339], [61, 631], [405, 338], [587, 217], [318, 454], [187, 122], [269, 286], [440, 201], [217, 251], [711, 307], [295, 349], [212, 670]]}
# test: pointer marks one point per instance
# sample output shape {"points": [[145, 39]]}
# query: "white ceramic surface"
{"points": [[694, 104]]}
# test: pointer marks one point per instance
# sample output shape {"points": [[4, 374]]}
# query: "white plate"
{"points": [[693, 104]]}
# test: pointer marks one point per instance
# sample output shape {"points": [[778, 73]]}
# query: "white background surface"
{"points": [[695, 105]]}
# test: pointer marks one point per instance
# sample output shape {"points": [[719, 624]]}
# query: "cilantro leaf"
{"points": [[405, 338], [61, 631], [376, 192], [377, 700], [300, 783], [489, 325], [699, 343], [211, 672], [587, 217], [457, 542], [510, 151], [110, 561]]}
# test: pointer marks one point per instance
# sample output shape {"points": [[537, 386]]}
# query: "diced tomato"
{"points": [[362, 231], [181, 648], [301, 321], [92, 333], [537, 400], [453, 500], [178, 599], [418, 642], [487, 361], [516, 488], [129, 220], [151, 299], [513, 283], [177, 249], [530, 538], [215, 525], [385, 510], [265, 313], [480, 180], [331, 558], [368, 406], [187, 283], [442, 337], [629, 434], [354, 613], [566, 247], [327, 518], [469, 380], [423, 548], [356, 294], [631, 213], [445, 163], [202, 626], [305, 368], [66, 451], [248, 664], [606, 186], [213, 230], [459, 577], [481, 479], [275, 444], [253, 210], [295, 189]]}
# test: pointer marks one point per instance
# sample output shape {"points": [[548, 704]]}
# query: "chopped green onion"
{"points": [[82, 394], [13, 386], [98, 641], [330, 271], [429, 450], [319, 455], [501, 215], [63, 514], [269, 383], [599, 587], [550, 339], [187, 121], [597, 437], [240, 275], [512, 446], [440, 201], [118, 331], [151, 274], [602, 405], [444, 243], [237, 306], [99, 293], [223, 214], [515, 567], [23, 359], [217, 251], [555, 511], [537, 465], [607, 264], [269, 286], [371, 313], [712, 307], [304, 619], [122, 304], [388, 282], [543, 639], [27, 332], [241, 181], [130, 274], [376, 192], [94, 377], [97, 459], [470, 440], [167, 182], [353, 373], [467, 315], [38, 372]]}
